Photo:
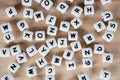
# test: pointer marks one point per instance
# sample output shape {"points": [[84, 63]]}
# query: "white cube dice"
{"points": [[83, 76], [7, 77], [62, 7], [11, 12], [68, 54], [13, 67], [64, 26], [107, 15], [31, 71], [51, 43], [105, 75], [52, 30], [76, 46], [22, 25], [28, 13], [70, 65], [112, 26], [38, 16], [99, 48], [47, 4], [104, 2], [38, 1], [87, 62], [107, 58], [21, 58], [27, 35], [50, 70], [56, 60], [15, 49], [87, 52], [51, 19], [49, 77], [77, 11], [70, 1], [8, 37], [76, 22], [4, 52], [99, 26], [26, 2], [62, 42], [40, 35], [31, 50], [88, 2], [6, 27], [72, 35], [108, 36], [89, 10], [89, 38], [43, 50], [41, 62]]}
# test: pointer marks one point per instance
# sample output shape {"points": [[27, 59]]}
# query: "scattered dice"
{"points": [[86, 52], [99, 48], [28, 13], [4, 52], [89, 10], [103, 2], [38, 16], [49, 77], [41, 62], [26, 2], [21, 58], [22, 25], [107, 15], [31, 71], [47, 4], [83, 76], [6, 27], [87, 63], [70, 65], [27, 35], [76, 11], [112, 26], [15, 49], [50, 70], [51, 19], [56, 60], [13, 67], [51, 43], [76, 46], [105, 75], [68, 54], [7, 77], [64, 26], [40, 35], [62, 42], [88, 2], [72, 35], [52, 30], [108, 58]]}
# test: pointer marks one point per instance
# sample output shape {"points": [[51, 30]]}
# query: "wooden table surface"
{"points": [[87, 27]]}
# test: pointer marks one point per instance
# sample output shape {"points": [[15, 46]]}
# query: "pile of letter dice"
{"points": [[76, 22]]}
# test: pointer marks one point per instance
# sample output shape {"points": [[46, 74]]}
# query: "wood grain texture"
{"points": [[87, 27]]}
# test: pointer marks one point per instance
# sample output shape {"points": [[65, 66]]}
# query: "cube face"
{"points": [[76, 23], [31, 71], [15, 49], [107, 58], [26, 2], [13, 67], [40, 35], [50, 70], [22, 25], [27, 35], [49, 77], [51, 43], [105, 75], [4, 52], [64, 26], [8, 37], [21, 58], [47, 4], [70, 65], [62, 42], [89, 38], [56, 60], [108, 36], [89, 10], [88, 2], [107, 15], [62, 7], [52, 30], [68, 54], [87, 52], [28, 13], [41, 62], [51, 19], [31, 50], [38, 16], [104, 2], [38, 1], [7, 77], [76, 46], [87, 62], [6, 27], [83, 76], [72, 35], [43, 50], [99, 48], [99, 26], [112, 26], [11, 12], [77, 11]]}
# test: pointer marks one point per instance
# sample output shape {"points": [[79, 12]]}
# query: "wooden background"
{"points": [[87, 27]]}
